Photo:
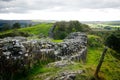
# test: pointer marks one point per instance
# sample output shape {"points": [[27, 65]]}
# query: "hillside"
{"points": [[33, 30]]}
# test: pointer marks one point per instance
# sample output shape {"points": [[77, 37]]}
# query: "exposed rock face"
{"points": [[18, 51]]}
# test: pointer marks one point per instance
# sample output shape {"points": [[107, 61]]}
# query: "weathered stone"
{"points": [[19, 51], [62, 63], [68, 75]]}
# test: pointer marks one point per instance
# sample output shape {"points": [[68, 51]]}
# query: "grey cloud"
{"points": [[20, 6], [6, 0]]}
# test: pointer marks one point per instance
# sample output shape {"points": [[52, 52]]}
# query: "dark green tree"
{"points": [[16, 25], [113, 41]]}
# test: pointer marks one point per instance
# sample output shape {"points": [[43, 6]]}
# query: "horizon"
{"points": [[61, 20]]}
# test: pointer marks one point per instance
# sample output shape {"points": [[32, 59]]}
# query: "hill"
{"points": [[28, 31]]}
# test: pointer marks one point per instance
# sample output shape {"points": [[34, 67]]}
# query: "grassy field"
{"points": [[102, 27]]}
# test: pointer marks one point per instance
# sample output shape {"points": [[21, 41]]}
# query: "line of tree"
{"points": [[7, 26]]}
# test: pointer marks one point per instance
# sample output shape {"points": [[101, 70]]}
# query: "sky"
{"points": [[82, 10]]}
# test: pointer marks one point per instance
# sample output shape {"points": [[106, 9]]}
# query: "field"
{"points": [[104, 25]]}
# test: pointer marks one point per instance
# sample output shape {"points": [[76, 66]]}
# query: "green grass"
{"points": [[39, 29], [110, 69], [56, 41], [93, 56]]}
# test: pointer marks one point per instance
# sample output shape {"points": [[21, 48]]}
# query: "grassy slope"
{"points": [[37, 29], [34, 30]]}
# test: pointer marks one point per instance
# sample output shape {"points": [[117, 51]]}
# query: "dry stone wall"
{"points": [[18, 52]]}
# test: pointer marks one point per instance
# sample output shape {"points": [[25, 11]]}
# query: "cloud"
{"points": [[82, 15], [24, 6], [5, 0]]}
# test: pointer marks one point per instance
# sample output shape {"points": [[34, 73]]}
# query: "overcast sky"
{"points": [[82, 10]]}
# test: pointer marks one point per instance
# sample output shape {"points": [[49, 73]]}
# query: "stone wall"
{"points": [[18, 53]]}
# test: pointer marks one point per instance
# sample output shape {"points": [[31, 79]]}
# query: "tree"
{"points": [[113, 41], [16, 25], [62, 29]]}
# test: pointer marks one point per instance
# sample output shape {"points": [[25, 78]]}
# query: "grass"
{"points": [[110, 69], [39, 29], [93, 36], [56, 41], [93, 56]]}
